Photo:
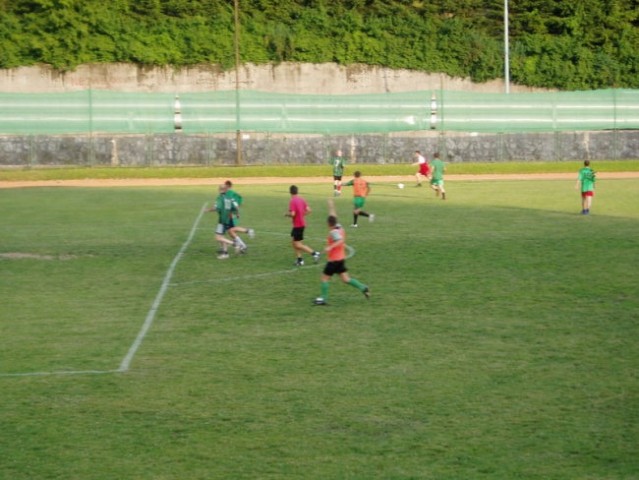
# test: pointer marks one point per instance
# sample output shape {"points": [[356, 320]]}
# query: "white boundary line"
{"points": [[148, 322], [150, 317], [61, 372], [349, 249]]}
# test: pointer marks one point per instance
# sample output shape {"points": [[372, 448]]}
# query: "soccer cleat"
{"points": [[299, 262], [371, 217], [251, 233], [354, 225], [316, 256], [319, 301], [243, 250], [223, 256], [367, 293]]}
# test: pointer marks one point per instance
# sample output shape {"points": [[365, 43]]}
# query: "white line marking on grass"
{"points": [[150, 317], [349, 249], [126, 362], [60, 372], [242, 277]]}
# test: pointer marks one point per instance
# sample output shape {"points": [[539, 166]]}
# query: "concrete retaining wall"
{"points": [[302, 78], [326, 79], [182, 150]]}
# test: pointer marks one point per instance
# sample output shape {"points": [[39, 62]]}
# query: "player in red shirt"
{"points": [[297, 210], [423, 168]]}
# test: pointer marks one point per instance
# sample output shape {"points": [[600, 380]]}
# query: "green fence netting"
{"points": [[540, 112], [93, 111]]}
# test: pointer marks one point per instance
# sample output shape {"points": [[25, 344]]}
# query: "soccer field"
{"points": [[500, 341]]}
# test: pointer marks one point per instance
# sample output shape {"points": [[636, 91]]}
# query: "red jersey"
{"points": [[298, 209], [424, 167]]}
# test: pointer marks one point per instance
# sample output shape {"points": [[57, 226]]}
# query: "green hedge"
{"points": [[582, 45]]}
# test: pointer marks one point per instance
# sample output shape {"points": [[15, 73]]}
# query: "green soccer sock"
{"points": [[357, 284], [324, 294]]}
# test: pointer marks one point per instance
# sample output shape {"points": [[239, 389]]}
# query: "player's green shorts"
{"points": [[359, 202], [437, 183]]}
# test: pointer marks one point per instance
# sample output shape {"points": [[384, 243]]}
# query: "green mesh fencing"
{"points": [[87, 111], [540, 112], [94, 111]]}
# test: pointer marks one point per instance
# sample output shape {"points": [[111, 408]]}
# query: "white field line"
{"points": [[150, 318], [60, 372], [243, 277], [350, 253], [148, 322]]}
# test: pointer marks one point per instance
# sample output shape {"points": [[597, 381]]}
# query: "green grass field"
{"points": [[472, 168], [500, 341]]}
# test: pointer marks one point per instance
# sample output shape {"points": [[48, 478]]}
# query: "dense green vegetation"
{"points": [[568, 45]]}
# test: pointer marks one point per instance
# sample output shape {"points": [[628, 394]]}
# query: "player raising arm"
{"points": [[336, 255]]}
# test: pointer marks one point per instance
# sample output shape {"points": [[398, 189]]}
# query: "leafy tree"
{"points": [[572, 45]]}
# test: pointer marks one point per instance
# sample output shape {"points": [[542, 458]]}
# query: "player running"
{"points": [[297, 210], [336, 254], [437, 182], [423, 171], [237, 199], [225, 208], [361, 189]]}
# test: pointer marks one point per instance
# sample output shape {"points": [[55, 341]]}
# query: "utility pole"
{"points": [[506, 48], [238, 134]]}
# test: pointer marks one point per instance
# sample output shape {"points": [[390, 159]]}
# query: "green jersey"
{"points": [[338, 164], [225, 207], [438, 169], [236, 197], [587, 179]]}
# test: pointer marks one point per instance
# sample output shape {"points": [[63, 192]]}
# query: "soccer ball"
{"points": [[400, 185]]}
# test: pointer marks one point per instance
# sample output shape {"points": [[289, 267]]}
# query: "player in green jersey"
{"points": [[437, 181], [237, 199], [338, 162], [586, 185], [225, 208]]}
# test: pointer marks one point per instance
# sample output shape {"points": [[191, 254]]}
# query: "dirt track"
{"points": [[137, 182]]}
